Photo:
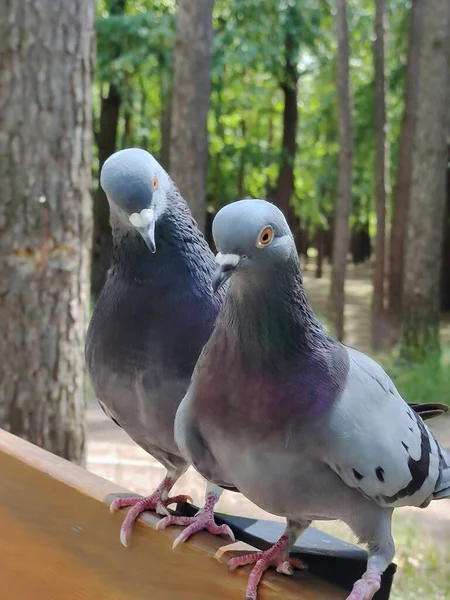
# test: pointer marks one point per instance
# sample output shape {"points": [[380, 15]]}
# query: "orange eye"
{"points": [[265, 237], [155, 182]]}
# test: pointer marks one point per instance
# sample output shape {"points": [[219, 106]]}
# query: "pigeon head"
{"points": [[136, 186], [251, 236]]}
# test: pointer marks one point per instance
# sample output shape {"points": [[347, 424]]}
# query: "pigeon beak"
{"points": [[148, 235], [227, 263], [145, 223]]}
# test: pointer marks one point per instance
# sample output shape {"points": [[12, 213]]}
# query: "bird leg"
{"points": [[277, 556], [158, 501], [366, 587], [204, 519], [381, 552], [369, 584]]}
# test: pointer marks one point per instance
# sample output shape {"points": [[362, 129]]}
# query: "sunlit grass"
{"points": [[428, 382]]}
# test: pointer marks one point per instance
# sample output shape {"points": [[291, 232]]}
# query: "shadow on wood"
{"points": [[59, 541]]}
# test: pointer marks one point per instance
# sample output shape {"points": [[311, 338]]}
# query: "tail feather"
{"points": [[428, 410], [442, 489]]}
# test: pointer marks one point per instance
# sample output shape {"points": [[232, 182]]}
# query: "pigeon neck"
{"points": [[180, 247], [272, 319]]}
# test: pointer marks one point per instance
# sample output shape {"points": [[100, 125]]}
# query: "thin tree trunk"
{"points": [[404, 170], [242, 162], [268, 184], [379, 337], [360, 245], [320, 251], [285, 183], [106, 138], [106, 143], [421, 292], [45, 212], [166, 113], [341, 237], [127, 140], [190, 103], [445, 271]]}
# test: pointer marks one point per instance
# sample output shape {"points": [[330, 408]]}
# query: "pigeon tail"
{"points": [[442, 489]]}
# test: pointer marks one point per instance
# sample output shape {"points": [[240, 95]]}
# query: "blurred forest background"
{"points": [[336, 111]]}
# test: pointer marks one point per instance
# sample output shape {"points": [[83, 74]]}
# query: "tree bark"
{"points": [[106, 143], [320, 251], [341, 237], [106, 138], [421, 292], [404, 170], [45, 216], [165, 82], [445, 270], [190, 103], [360, 244], [285, 182], [379, 337]]}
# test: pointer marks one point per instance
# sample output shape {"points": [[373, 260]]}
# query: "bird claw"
{"points": [[273, 557], [365, 588], [138, 505], [204, 520], [285, 568]]}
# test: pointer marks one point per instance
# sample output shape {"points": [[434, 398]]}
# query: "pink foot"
{"points": [[276, 556], [366, 587], [158, 501], [204, 519]]}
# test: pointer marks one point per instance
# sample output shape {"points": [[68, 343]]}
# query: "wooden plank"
{"points": [[59, 541]]}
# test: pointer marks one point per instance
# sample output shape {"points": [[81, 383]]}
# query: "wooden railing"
{"points": [[58, 541]]}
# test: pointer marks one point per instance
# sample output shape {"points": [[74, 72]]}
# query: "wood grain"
{"points": [[59, 541]]}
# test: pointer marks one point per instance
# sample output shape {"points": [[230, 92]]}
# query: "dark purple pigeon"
{"points": [[154, 314]]}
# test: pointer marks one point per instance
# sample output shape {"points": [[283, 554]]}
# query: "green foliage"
{"points": [[135, 53]]}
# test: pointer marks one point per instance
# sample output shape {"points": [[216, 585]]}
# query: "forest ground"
{"points": [[422, 536]]}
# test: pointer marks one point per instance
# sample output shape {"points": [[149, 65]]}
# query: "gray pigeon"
{"points": [[302, 425], [154, 314]]}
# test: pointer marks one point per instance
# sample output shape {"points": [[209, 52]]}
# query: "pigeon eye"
{"points": [[155, 182], [265, 237]]}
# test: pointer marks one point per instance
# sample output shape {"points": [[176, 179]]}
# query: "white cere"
{"points": [[142, 219], [227, 259]]}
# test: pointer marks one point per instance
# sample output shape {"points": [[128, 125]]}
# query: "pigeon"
{"points": [[154, 315], [305, 427]]}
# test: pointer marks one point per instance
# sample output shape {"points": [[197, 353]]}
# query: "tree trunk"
{"points": [[341, 237], [106, 143], [166, 111], [190, 103], [320, 251], [242, 162], [285, 182], [404, 170], [165, 95], [360, 244], [379, 337], [106, 138], [421, 292], [45, 215], [445, 270]]}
